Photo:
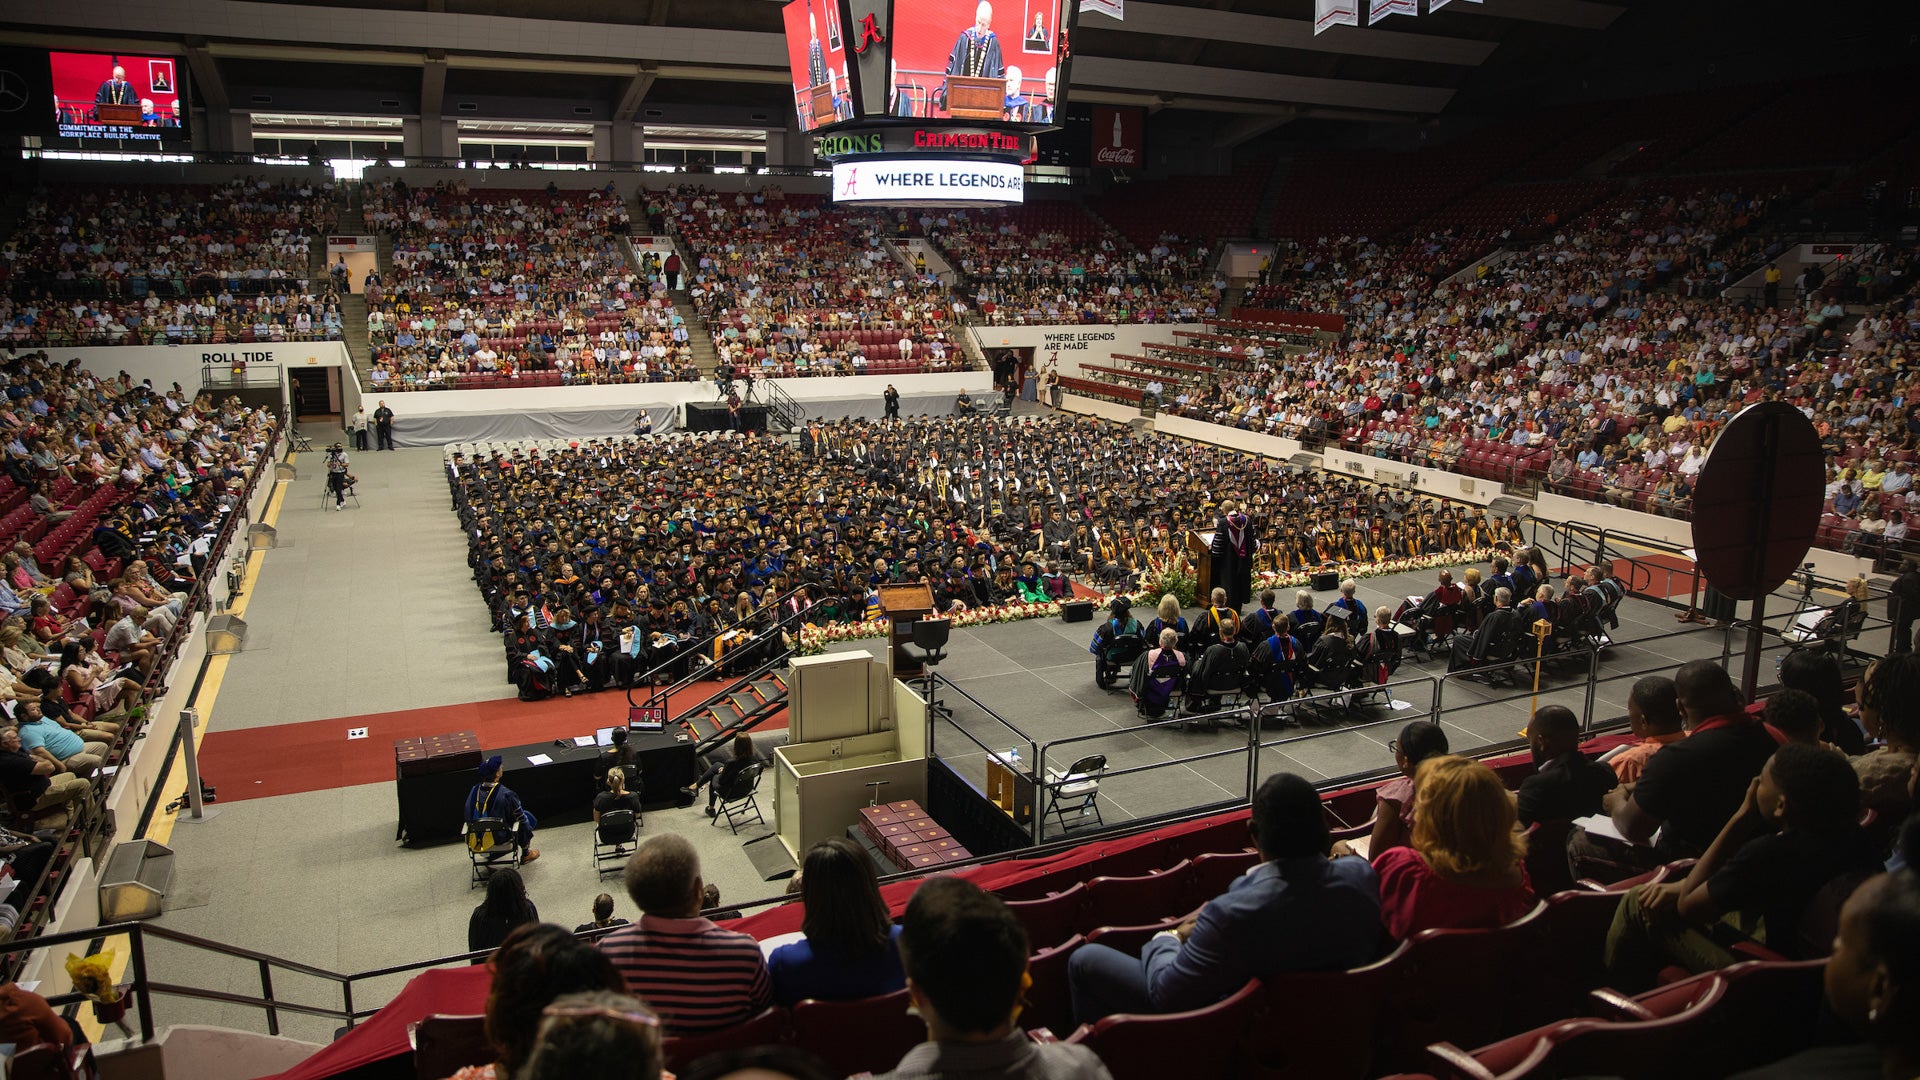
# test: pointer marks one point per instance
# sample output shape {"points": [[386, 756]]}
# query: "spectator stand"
{"points": [[135, 764], [169, 264]]}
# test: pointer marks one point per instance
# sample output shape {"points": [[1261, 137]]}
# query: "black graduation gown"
{"points": [[1233, 564]]}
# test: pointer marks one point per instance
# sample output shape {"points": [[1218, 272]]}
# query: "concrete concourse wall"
{"points": [[1433, 482], [1074, 344], [169, 364]]}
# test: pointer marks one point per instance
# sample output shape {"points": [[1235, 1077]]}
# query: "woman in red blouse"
{"points": [[1465, 868]]}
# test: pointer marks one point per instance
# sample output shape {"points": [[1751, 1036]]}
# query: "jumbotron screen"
{"points": [[978, 61], [945, 51], [817, 59], [119, 96]]}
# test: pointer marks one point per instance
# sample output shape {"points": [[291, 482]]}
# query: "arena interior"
{"points": [[1071, 539]]}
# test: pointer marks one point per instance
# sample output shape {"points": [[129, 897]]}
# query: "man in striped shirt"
{"points": [[696, 976]]}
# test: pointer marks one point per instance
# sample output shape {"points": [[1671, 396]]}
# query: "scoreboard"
{"points": [[929, 102]]}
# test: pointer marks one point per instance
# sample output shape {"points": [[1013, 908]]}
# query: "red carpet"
{"points": [[256, 763]]}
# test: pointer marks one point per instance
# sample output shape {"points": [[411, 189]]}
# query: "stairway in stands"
{"points": [[353, 330], [699, 338]]}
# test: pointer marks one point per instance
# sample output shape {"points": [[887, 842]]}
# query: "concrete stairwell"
{"points": [[353, 331], [1230, 298], [698, 338]]}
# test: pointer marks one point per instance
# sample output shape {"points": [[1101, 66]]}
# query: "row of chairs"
{"points": [[1710, 1025], [1466, 987]]}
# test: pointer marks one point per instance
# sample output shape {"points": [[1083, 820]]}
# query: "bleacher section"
{"points": [[531, 287], [173, 504], [1195, 209], [1052, 262], [788, 284], [172, 264]]}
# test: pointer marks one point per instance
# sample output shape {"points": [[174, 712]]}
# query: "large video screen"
{"points": [[947, 52], [817, 59], [119, 96]]}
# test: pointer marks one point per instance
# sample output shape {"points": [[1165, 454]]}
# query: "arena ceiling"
{"points": [[1249, 65]]}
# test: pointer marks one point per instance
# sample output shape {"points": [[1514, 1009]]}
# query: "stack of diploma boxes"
{"points": [[908, 837]]}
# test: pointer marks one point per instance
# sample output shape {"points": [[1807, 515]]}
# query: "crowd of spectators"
{"points": [[788, 285], [1584, 348], [1042, 264], [512, 282], [110, 265], [114, 492], [1750, 813]]}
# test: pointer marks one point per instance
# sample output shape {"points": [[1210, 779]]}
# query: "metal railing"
{"points": [[658, 695], [1437, 697]]}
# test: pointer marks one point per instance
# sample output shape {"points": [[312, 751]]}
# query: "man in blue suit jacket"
{"points": [[1296, 911]]}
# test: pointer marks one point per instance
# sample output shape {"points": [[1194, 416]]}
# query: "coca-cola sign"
{"points": [[1119, 137]]}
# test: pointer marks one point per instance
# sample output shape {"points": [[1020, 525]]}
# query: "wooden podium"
{"points": [[822, 104], [1010, 788], [117, 114], [1199, 552], [970, 98], [904, 605]]}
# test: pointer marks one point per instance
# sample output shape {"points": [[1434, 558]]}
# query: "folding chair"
{"points": [[613, 839], [491, 845], [738, 802], [1077, 789]]}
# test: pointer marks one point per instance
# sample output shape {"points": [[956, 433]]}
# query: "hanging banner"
{"points": [[1380, 9], [1112, 9], [1335, 13]]}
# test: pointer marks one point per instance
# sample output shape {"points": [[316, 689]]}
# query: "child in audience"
{"points": [[1871, 979], [1797, 830], [599, 1034]]}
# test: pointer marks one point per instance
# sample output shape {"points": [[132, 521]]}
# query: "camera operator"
{"points": [[724, 375], [338, 479]]}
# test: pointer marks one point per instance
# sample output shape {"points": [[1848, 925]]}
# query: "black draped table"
{"points": [[559, 791]]}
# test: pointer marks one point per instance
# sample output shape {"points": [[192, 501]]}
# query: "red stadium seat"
{"points": [[870, 1035], [1156, 1047]]}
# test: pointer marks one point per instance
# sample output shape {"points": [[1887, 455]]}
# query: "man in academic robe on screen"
{"points": [[976, 54]]}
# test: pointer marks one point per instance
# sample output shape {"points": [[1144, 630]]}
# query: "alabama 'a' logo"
{"points": [[869, 34]]}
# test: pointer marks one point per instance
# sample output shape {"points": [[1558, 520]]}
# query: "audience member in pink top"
{"points": [[1464, 869], [1393, 809]]}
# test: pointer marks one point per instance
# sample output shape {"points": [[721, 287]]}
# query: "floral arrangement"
{"points": [[815, 639], [1175, 576], [1293, 579]]}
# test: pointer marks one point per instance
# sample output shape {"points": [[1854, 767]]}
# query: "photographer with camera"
{"points": [[338, 479]]}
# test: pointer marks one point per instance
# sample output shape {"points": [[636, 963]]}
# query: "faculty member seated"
{"points": [[1297, 911]]}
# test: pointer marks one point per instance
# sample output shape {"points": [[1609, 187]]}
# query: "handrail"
{"points": [[657, 693], [938, 680], [763, 669], [696, 673]]}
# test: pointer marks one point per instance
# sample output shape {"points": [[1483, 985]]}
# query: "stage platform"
{"points": [[434, 417], [1038, 676]]}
